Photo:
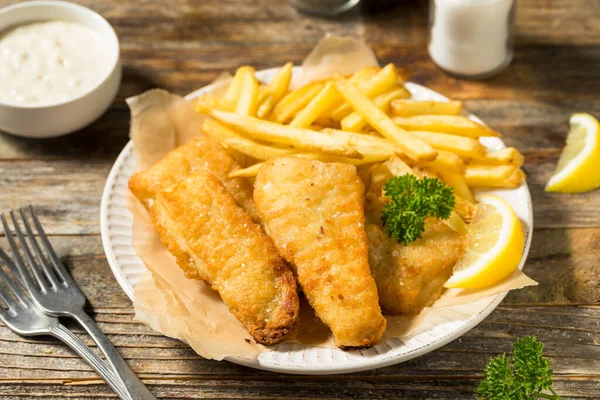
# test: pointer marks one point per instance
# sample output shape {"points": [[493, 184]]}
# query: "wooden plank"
{"points": [[65, 194], [181, 23], [290, 387], [570, 345]]}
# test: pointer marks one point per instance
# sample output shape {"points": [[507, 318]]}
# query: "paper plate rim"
{"points": [[116, 240]]}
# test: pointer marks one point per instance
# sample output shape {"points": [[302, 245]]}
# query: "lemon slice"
{"points": [[496, 242], [578, 168]]}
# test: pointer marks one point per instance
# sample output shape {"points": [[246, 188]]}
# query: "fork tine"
{"points": [[59, 267], [41, 258], [18, 260], [8, 282], [10, 304], [4, 316]]}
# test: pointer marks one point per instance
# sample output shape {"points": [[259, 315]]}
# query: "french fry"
{"points": [[331, 158], [249, 172], [301, 139], [275, 90], [463, 146], [398, 167], [506, 156], [309, 114], [263, 92], [373, 149], [363, 74], [446, 161], [231, 139], [252, 171], [379, 174], [233, 91], [206, 103], [248, 100], [456, 223], [454, 124], [409, 108], [382, 81], [371, 145], [513, 181], [493, 176], [459, 184], [354, 122], [414, 148], [294, 101], [463, 208], [281, 81]]}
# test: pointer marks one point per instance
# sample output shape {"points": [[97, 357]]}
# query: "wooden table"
{"points": [[181, 45]]}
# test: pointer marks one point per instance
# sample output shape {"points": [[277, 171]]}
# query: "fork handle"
{"points": [[68, 338], [132, 384]]}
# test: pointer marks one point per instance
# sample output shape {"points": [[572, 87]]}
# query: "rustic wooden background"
{"points": [[181, 45]]}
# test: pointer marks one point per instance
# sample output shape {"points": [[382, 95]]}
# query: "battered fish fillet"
{"points": [[200, 153], [411, 277], [314, 212], [200, 223]]}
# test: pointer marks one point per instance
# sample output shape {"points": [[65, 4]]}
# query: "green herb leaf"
{"points": [[531, 369], [524, 377], [412, 200]]}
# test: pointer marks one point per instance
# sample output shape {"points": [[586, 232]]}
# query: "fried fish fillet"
{"points": [[200, 223], [314, 212], [199, 153], [411, 277]]}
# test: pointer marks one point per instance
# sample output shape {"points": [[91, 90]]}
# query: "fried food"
{"points": [[409, 108], [412, 277], [299, 138], [451, 124], [414, 148], [314, 212], [216, 241], [199, 153], [482, 175]]}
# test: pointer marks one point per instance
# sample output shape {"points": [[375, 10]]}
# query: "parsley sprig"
{"points": [[526, 376], [412, 200]]}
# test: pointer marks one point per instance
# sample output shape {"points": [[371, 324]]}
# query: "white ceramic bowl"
{"points": [[60, 118]]}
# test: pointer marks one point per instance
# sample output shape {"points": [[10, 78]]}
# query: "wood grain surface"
{"points": [[181, 45]]}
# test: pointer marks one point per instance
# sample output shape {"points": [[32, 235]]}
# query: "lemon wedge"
{"points": [[578, 168], [495, 247]]}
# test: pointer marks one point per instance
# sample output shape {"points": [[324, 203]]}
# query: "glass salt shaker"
{"points": [[471, 38]]}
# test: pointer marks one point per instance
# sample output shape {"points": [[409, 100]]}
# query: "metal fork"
{"points": [[57, 294], [23, 317]]}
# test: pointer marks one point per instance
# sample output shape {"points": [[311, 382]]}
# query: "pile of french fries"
{"points": [[367, 120]]}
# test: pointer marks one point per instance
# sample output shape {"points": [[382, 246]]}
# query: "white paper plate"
{"points": [[441, 326]]}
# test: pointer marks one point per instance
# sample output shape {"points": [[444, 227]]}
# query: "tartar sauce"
{"points": [[50, 62]]}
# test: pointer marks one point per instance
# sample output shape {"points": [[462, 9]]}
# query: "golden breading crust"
{"points": [[411, 277], [314, 213], [200, 223], [199, 153]]}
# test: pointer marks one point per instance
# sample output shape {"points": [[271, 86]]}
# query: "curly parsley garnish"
{"points": [[412, 200], [525, 376]]}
